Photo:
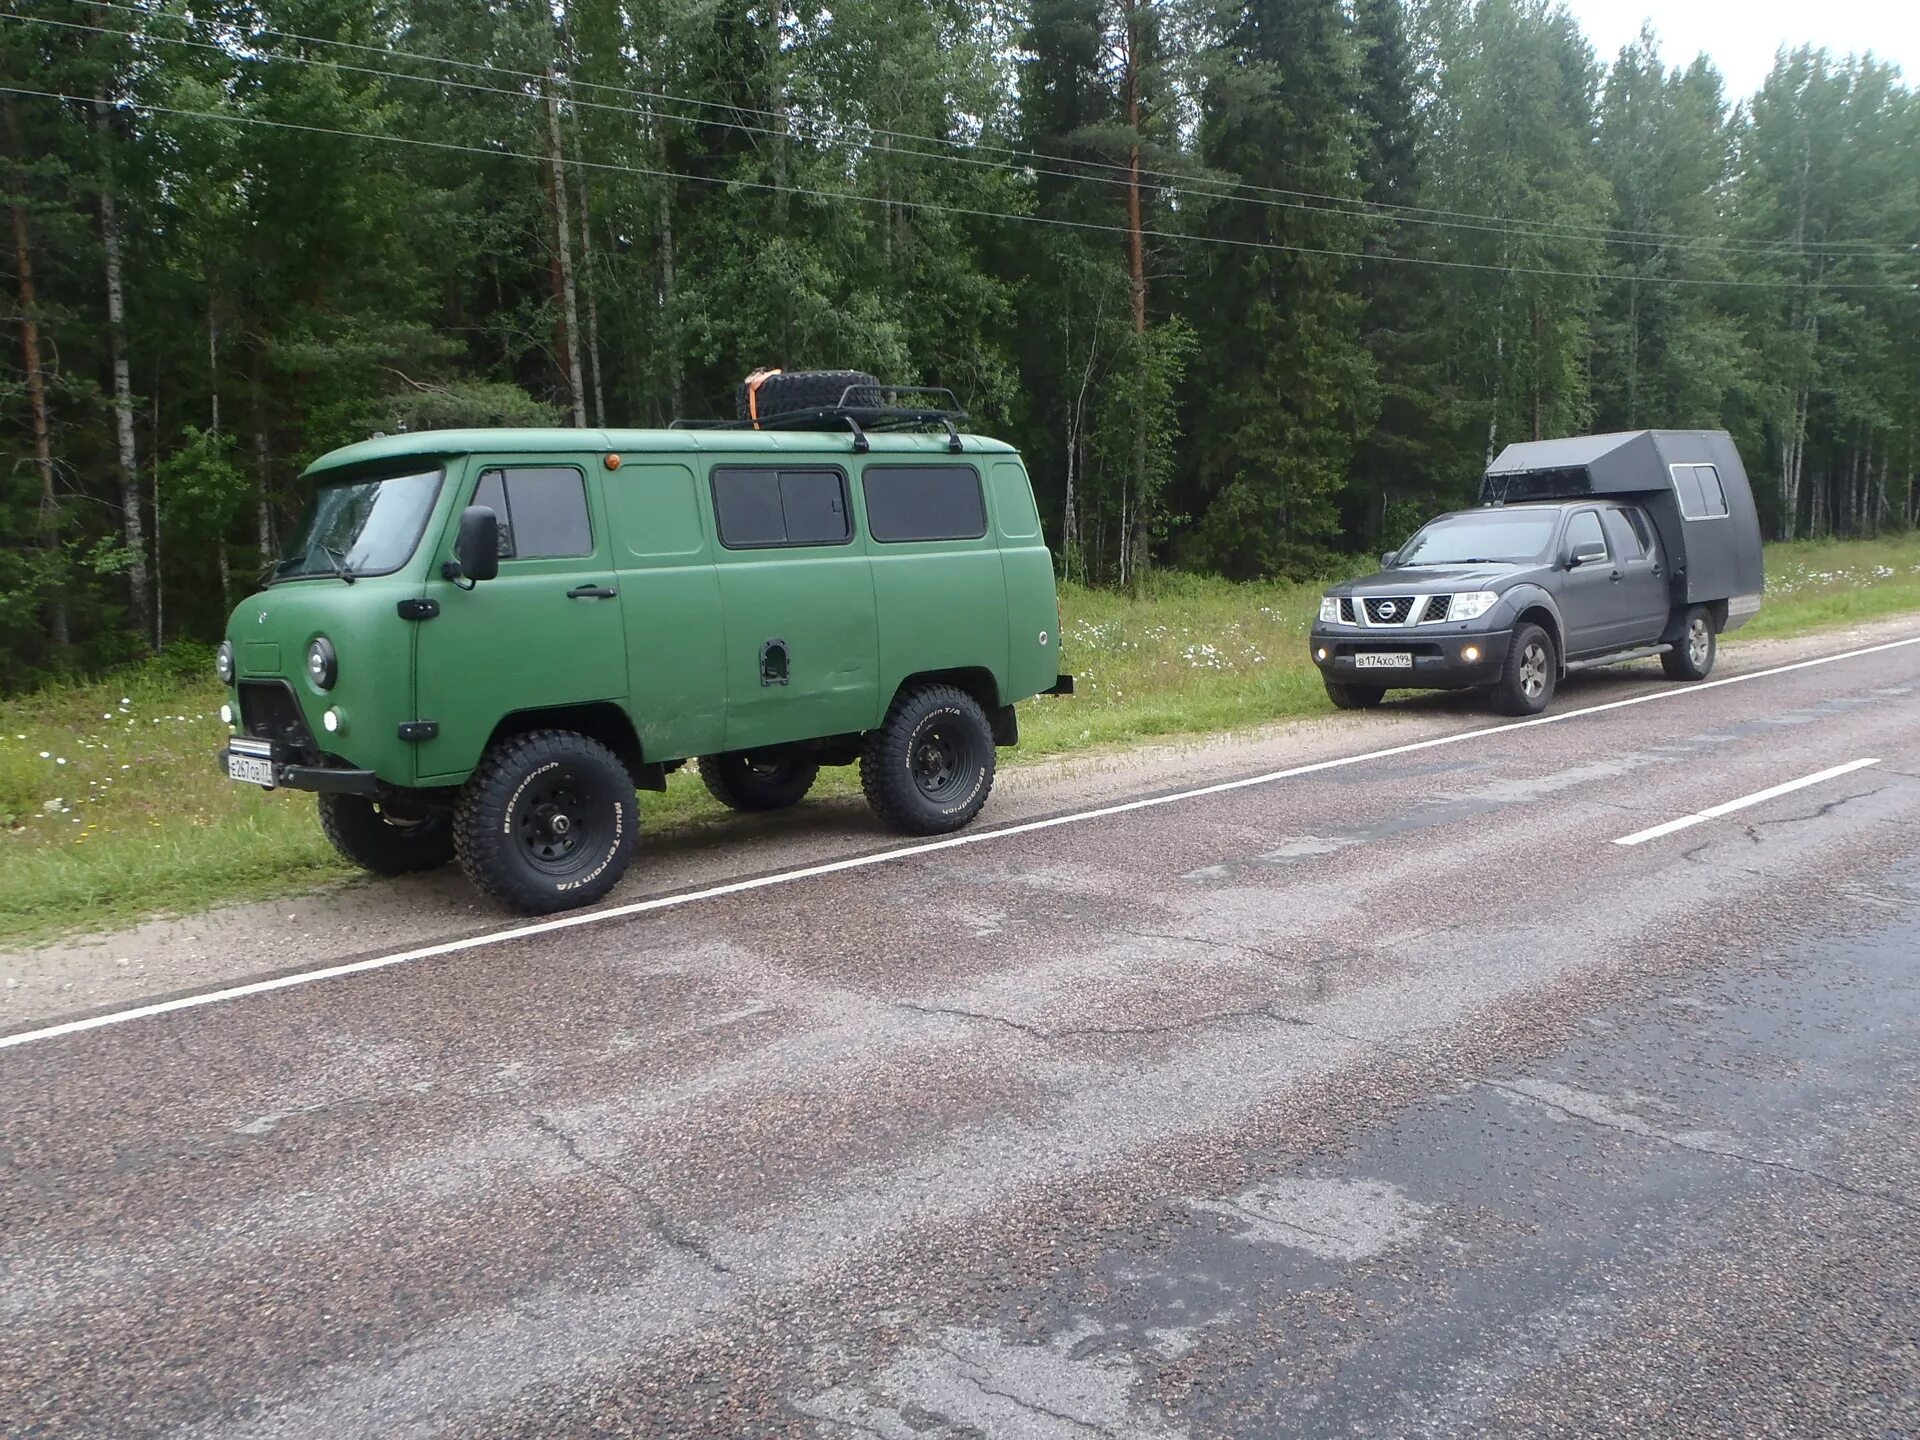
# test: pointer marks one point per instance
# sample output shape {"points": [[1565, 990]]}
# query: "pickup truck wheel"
{"points": [[757, 781], [381, 841], [547, 822], [929, 767], [1354, 697], [1527, 681], [1693, 657]]}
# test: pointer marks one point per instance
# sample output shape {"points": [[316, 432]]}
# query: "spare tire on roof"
{"points": [[784, 392]]}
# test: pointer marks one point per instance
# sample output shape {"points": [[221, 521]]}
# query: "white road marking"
{"points": [[884, 857], [1714, 812]]}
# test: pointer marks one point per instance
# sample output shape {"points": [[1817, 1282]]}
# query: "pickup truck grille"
{"points": [[1437, 608], [268, 711], [1390, 609], [1346, 611]]}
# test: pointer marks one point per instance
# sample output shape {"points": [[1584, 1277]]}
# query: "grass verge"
{"points": [[111, 809]]}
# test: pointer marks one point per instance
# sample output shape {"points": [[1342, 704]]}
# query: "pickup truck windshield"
{"points": [[1503, 537], [361, 526]]}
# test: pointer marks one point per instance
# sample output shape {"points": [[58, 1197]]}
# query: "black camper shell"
{"points": [[1691, 483]]}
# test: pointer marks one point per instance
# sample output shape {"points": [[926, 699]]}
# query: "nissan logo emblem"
{"points": [[1387, 609]]}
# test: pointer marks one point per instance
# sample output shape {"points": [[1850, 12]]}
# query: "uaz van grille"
{"points": [[268, 711], [1437, 608], [1390, 609]]}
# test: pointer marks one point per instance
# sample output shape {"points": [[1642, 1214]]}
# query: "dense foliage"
{"points": [[1250, 282]]}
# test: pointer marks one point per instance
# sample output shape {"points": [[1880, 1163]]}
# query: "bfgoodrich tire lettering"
{"points": [[929, 767], [380, 841], [758, 782], [547, 822]]}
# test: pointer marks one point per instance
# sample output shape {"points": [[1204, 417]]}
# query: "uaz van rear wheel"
{"points": [[753, 780], [1527, 681], [547, 822], [384, 841], [1692, 658], [929, 767]]}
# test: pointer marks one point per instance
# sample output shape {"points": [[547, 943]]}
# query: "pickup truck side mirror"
{"points": [[476, 549], [1588, 554], [1386, 560]]}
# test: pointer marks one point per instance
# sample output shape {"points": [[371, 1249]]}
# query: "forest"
{"points": [[1255, 285]]}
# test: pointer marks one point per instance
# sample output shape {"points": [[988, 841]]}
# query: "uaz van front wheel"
{"points": [[383, 841], [547, 822], [929, 767]]}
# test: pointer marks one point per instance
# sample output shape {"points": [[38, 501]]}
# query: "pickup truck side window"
{"points": [[1642, 531], [1583, 531], [542, 510], [1623, 537]]}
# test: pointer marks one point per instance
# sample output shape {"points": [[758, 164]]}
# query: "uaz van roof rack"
{"points": [[862, 408]]}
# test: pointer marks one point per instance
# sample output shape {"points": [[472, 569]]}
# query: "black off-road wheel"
{"points": [[1354, 697], [548, 822], [1532, 671], [1693, 657], [385, 841], [758, 780], [929, 767], [806, 390]]}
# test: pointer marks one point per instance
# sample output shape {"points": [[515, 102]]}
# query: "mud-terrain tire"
{"points": [[1699, 647], [807, 390], [1532, 671], [758, 781], [548, 822], [367, 835], [1354, 697], [929, 767]]}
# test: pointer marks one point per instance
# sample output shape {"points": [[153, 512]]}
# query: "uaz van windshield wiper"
{"points": [[340, 566]]}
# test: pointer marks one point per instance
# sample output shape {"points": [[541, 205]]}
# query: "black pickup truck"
{"points": [[1586, 551]]}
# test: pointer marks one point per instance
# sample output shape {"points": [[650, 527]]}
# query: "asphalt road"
{"points": [[1394, 1098]]}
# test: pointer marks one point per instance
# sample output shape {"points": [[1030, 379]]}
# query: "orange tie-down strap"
{"points": [[754, 381]]}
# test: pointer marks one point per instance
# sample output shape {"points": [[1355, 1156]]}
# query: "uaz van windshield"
{"points": [[363, 526], [1493, 537]]}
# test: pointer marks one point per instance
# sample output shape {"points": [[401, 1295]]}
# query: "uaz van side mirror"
{"points": [[476, 549], [1588, 554]]}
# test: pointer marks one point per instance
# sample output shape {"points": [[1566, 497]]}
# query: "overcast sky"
{"points": [[1741, 35]]}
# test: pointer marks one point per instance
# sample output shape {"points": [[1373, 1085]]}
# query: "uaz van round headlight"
{"points": [[323, 666], [223, 662]]}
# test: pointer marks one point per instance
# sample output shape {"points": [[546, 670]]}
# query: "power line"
{"points": [[1184, 186], [1172, 181], [928, 205]]}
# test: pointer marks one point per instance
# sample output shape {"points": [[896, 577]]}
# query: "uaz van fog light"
{"points": [[226, 714], [333, 722]]}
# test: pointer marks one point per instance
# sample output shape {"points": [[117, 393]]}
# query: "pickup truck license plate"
{"points": [[249, 768], [1383, 660]]}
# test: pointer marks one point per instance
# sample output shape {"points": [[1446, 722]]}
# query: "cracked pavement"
{"points": [[1394, 1100]]}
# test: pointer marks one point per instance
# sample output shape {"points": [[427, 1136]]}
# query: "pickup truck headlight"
{"points": [[1472, 605], [323, 666], [1329, 610]]}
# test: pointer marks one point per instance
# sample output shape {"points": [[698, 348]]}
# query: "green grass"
{"points": [[111, 808]]}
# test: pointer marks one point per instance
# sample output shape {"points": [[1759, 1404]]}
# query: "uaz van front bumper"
{"points": [[265, 763]]}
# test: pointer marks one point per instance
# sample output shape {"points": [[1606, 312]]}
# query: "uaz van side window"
{"points": [[924, 502], [542, 510], [758, 507]]}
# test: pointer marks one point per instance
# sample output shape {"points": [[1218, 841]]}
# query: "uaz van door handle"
{"points": [[592, 592]]}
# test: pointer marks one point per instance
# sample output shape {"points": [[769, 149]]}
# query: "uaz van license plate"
{"points": [[249, 768], [1384, 660]]}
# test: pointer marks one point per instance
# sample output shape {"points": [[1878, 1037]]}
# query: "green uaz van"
{"points": [[481, 643]]}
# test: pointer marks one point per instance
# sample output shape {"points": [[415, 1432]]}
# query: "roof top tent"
{"points": [[1690, 481]]}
